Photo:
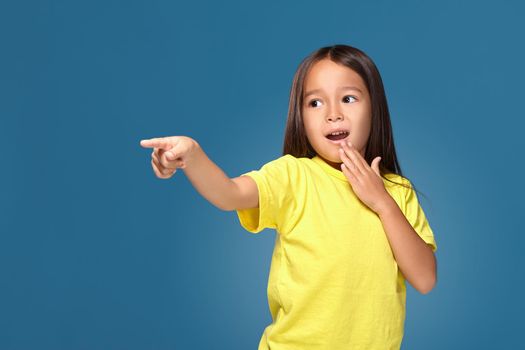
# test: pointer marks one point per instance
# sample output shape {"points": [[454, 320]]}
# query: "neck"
{"points": [[334, 165]]}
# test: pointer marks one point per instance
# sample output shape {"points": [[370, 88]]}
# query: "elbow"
{"points": [[430, 282], [426, 287]]}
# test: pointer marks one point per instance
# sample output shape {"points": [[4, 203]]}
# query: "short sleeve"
{"points": [[416, 216], [276, 198]]}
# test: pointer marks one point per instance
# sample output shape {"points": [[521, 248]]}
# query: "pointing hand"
{"points": [[169, 153]]}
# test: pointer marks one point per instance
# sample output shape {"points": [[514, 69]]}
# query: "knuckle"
{"points": [[155, 170], [156, 162], [160, 172]]}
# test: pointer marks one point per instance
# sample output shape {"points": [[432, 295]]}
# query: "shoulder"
{"points": [[279, 170], [287, 158], [286, 162], [396, 180], [399, 186]]}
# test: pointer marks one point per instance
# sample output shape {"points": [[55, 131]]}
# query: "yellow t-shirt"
{"points": [[333, 282]]}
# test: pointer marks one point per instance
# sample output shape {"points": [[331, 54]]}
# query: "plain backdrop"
{"points": [[96, 252]]}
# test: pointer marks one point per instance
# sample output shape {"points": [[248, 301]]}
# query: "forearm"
{"points": [[208, 179], [414, 256]]}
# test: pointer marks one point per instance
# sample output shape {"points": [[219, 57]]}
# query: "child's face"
{"points": [[332, 107]]}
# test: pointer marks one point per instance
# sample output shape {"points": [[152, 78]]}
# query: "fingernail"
{"points": [[169, 155]]}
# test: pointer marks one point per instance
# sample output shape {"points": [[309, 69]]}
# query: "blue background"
{"points": [[96, 252]]}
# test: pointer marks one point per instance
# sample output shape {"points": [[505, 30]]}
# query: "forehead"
{"points": [[326, 74]]}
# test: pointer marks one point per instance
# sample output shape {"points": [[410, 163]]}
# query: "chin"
{"points": [[333, 159]]}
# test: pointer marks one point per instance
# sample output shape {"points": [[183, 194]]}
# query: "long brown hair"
{"points": [[380, 142]]}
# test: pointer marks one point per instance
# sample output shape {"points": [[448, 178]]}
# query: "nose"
{"points": [[335, 116], [334, 113]]}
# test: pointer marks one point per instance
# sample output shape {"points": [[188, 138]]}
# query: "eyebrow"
{"points": [[311, 92]]}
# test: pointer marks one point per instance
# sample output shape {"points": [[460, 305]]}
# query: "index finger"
{"points": [[155, 142], [355, 156]]}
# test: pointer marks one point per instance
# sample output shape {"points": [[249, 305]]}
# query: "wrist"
{"points": [[388, 204], [193, 152]]}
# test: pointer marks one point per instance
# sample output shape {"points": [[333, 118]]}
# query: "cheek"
{"points": [[311, 128], [308, 124], [361, 131]]}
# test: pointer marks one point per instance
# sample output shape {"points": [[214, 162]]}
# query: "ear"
{"points": [[375, 166]]}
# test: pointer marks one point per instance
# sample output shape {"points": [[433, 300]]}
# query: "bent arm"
{"points": [[413, 255]]}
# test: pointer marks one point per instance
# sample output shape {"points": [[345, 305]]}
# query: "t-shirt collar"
{"points": [[329, 169]]}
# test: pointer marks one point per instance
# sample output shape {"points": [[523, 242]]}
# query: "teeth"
{"points": [[338, 133]]}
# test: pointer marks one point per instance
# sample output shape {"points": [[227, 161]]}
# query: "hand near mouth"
{"points": [[366, 181]]}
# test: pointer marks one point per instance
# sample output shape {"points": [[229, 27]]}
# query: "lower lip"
{"points": [[338, 141]]}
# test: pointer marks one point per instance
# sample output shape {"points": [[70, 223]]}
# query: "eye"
{"points": [[350, 97], [310, 103], [344, 98]]}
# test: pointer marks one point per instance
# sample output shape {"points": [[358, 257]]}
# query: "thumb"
{"points": [[375, 165], [170, 155]]}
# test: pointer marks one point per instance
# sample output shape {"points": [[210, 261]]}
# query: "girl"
{"points": [[349, 233]]}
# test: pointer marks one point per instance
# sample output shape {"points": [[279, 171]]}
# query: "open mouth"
{"points": [[337, 136]]}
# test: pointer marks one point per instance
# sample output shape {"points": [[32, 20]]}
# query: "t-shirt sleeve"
{"points": [[276, 198], [416, 216]]}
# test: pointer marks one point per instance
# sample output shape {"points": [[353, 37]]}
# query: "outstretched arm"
{"points": [[211, 182], [208, 179]]}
